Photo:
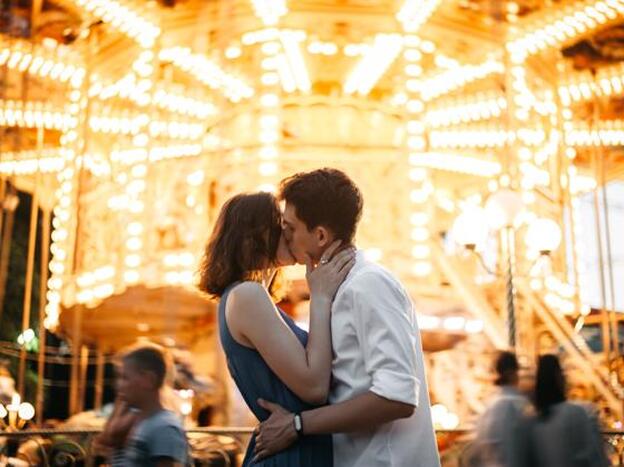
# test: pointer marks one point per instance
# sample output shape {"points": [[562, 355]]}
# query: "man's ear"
{"points": [[324, 236]]}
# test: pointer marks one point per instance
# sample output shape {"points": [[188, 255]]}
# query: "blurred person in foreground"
{"points": [[503, 429], [563, 433], [140, 431]]}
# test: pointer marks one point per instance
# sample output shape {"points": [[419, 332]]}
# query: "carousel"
{"points": [[485, 136]]}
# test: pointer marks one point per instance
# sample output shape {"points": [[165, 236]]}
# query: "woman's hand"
{"points": [[325, 279]]}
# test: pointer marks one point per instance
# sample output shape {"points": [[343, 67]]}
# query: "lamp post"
{"points": [[501, 215], [15, 415]]}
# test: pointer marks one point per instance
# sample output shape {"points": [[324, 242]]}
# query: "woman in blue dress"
{"points": [[268, 356]]}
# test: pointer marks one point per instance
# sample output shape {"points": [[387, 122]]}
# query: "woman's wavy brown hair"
{"points": [[243, 244]]}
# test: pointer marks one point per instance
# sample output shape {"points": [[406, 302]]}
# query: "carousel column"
{"points": [[603, 229], [30, 268], [269, 122], [99, 378], [82, 377], [7, 212], [144, 68], [66, 223], [43, 279], [573, 244], [421, 187]]}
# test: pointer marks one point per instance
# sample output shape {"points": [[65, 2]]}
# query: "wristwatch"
{"points": [[298, 425]]}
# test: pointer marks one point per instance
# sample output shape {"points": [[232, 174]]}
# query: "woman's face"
{"points": [[284, 257]]}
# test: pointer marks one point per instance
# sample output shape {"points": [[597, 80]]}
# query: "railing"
{"points": [[213, 446], [210, 446]]}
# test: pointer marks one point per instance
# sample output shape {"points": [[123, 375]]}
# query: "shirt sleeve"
{"points": [[169, 441], [385, 326]]}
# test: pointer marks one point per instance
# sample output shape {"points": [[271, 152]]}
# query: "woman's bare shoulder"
{"points": [[248, 295]]}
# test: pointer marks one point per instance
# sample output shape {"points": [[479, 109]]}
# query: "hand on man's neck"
{"points": [[338, 250]]}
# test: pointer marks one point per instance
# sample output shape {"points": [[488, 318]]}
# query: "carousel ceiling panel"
{"points": [[160, 313]]}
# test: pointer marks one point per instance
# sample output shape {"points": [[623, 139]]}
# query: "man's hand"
{"points": [[276, 433]]}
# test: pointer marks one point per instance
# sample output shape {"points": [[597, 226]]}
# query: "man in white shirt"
{"points": [[379, 411]]}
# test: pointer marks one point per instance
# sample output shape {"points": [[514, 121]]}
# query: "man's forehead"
{"points": [[288, 213]]}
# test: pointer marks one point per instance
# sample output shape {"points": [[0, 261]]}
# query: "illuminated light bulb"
{"points": [[544, 235], [420, 234], [269, 79], [422, 268], [470, 227], [421, 251], [26, 411], [502, 208], [269, 100], [428, 322], [267, 169], [133, 260], [270, 48], [418, 174], [131, 276], [419, 218], [454, 323], [135, 228], [134, 243], [474, 326]]}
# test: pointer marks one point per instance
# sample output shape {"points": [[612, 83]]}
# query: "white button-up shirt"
{"points": [[377, 348]]}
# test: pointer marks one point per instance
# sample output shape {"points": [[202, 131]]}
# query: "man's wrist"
{"points": [[298, 424]]}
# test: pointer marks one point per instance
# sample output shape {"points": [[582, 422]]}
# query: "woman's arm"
{"points": [[252, 317]]}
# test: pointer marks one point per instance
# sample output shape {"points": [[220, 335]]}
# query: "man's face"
{"points": [[301, 241], [131, 383]]}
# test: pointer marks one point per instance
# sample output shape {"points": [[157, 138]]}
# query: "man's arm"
{"points": [[367, 410]]}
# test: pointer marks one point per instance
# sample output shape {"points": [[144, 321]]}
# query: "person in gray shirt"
{"points": [[564, 434], [140, 431]]}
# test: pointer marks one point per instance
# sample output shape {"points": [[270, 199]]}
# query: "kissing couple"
{"points": [[351, 392]]}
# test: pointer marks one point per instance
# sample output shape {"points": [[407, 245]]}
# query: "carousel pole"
{"points": [[99, 378], [595, 163], [43, 274], [30, 267], [607, 237], [75, 360], [2, 193], [43, 281], [82, 383], [30, 260], [74, 387], [9, 205]]}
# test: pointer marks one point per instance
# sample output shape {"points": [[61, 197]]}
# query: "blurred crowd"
{"points": [[538, 429]]}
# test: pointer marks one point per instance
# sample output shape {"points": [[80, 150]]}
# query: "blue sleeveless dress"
{"points": [[256, 380]]}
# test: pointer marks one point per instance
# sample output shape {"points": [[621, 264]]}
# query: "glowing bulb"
{"points": [[26, 411]]}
